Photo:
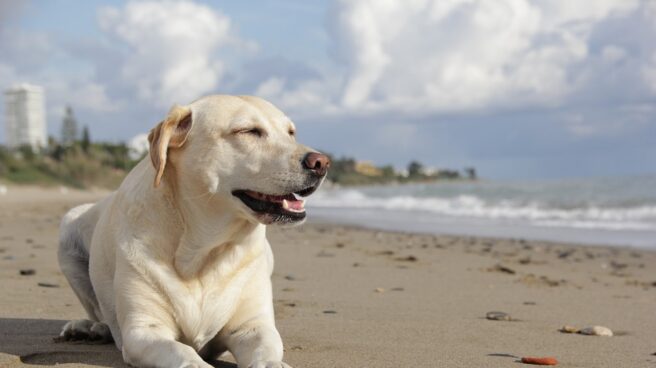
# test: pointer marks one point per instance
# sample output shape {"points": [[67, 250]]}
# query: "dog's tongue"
{"points": [[296, 205], [290, 202]]}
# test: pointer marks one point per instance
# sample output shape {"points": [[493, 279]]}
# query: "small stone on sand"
{"points": [[47, 285], [503, 269], [329, 311], [27, 272], [596, 331], [568, 329], [379, 290], [540, 360], [497, 316]]}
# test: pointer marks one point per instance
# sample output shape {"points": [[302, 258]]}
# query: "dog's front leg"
{"points": [[155, 346], [255, 344], [149, 331]]}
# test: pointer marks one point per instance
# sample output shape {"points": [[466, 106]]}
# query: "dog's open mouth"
{"points": [[288, 207]]}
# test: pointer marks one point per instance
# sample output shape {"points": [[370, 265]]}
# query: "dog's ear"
{"points": [[170, 133]]}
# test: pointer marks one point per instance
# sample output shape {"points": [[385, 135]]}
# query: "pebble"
{"points": [[498, 316], [330, 311], [290, 277], [48, 285], [407, 259], [596, 331], [27, 272], [569, 329], [540, 360], [379, 290], [323, 253], [503, 269]]}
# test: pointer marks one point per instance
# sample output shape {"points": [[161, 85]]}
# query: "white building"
{"points": [[25, 119]]}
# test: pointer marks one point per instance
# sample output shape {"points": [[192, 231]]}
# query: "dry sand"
{"points": [[349, 297]]}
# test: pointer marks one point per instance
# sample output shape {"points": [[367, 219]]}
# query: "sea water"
{"points": [[612, 211]]}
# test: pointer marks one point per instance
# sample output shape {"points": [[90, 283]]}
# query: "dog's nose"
{"points": [[317, 162]]}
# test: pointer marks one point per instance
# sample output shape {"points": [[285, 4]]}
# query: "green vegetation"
{"points": [[85, 164], [82, 164], [348, 171], [73, 161]]}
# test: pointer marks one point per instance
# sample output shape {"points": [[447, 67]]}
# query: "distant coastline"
{"points": [[84, 164], [347, 171]]}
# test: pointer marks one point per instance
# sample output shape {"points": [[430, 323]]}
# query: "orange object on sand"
{"points": [[540, 361]]}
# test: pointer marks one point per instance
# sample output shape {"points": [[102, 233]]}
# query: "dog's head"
{"points": [[237, 151]]}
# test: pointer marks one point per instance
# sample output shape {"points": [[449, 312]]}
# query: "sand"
{"points": [[352, 297]]}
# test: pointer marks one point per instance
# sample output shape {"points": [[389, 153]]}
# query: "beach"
{"points": [[349, 296]]}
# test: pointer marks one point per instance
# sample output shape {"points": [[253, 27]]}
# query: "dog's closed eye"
{"points": [[255, 131]]}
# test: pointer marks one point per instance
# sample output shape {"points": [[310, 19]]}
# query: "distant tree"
{"points": [[415, 169], [86, 139], [69, 128], [388, 172], [448, 174], [26, 152], [57, 152], [471, 173]]}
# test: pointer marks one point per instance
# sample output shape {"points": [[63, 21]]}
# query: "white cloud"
{"points": [[649, 72], [422, 57], [464, 54], [172, 48], [138, 146], [613, 53]]}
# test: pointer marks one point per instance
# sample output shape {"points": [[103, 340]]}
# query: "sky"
{"points": [[518, 89]]}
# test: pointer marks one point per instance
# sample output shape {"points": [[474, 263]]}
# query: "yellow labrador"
{"points": [[175, 265]]}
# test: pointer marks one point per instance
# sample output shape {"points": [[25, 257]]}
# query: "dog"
{"points": [[174, 266]]}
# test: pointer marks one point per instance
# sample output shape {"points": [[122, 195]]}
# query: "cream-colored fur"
{"points": [[173, 264]]}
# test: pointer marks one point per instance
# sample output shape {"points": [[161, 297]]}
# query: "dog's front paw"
{"points": [[85, 330], [269, 364]]}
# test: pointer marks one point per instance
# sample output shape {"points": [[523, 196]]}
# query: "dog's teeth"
{"points": [[297, 197], [302, 203], [285, 204]]}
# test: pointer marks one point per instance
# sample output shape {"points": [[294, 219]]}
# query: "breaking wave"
{"points": [[586, 216]]}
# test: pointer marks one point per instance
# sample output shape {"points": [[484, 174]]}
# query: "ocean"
{"points": [[609, 211]]}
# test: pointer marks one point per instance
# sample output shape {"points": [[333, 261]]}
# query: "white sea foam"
{"points": [[642, 217]]}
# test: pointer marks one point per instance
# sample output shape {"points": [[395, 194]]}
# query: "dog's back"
{"points": [[75, 233]]}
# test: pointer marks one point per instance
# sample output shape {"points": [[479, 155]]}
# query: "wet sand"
{"points": [[353, 297]]}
